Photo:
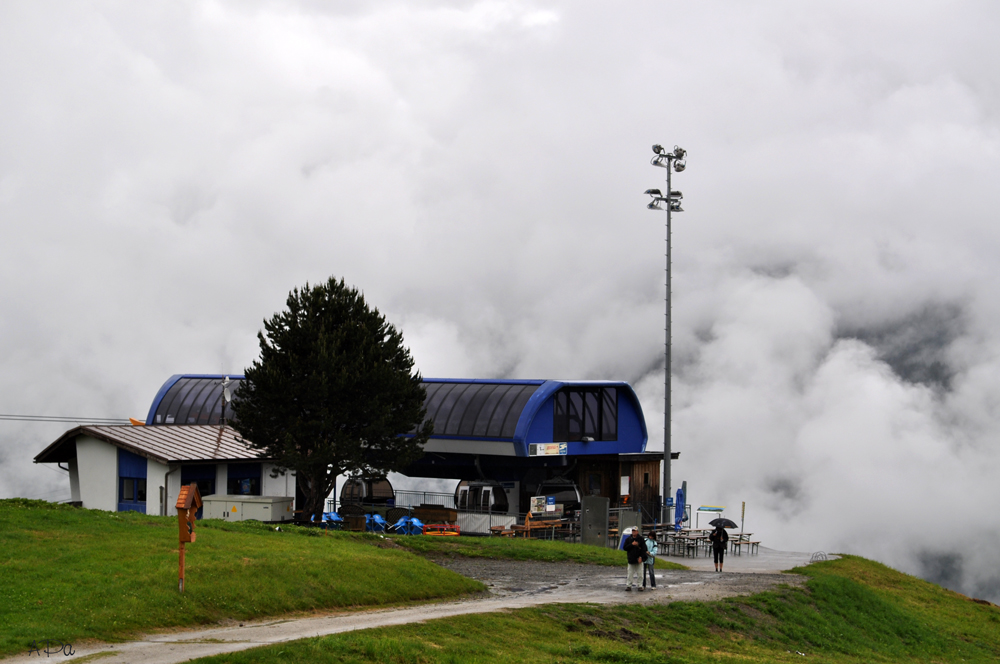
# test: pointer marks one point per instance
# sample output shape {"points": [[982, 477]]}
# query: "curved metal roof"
{"points": [[499, 410], [462, 408], [190, 399], [477, 408]]}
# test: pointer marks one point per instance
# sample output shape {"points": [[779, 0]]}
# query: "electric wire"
{"points": [[63, 418]]}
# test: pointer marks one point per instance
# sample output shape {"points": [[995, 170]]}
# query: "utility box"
{"points": [[594, 520], [628, 519], [248, 508]]}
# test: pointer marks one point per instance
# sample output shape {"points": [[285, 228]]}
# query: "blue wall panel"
{"points": [[631, 426], [540, 430], [131, 465]]}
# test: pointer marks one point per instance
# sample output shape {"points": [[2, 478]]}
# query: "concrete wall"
{"points": [[221, 478], [74, 481], [155, 479], [282, 485], [97, 467], [173, 490]]}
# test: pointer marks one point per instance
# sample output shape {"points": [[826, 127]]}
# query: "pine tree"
{"points": [[334, 391]]}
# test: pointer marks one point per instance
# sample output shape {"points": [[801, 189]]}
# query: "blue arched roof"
{"points": [[512, 411], [190, 399]]}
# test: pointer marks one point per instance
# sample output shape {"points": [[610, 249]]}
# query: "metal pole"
{"points": [[666, 369], [670, 161], [181, 571]]}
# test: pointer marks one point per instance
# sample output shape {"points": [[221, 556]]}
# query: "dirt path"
{"points": [[513, 585]]}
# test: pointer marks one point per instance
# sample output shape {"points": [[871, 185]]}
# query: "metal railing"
{"points": [[417, 498]]}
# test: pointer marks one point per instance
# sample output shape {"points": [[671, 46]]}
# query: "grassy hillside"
{"points": [[852, 610], [72, 574]]}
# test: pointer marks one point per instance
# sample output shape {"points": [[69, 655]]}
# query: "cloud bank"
{"points": [[169, 171]]}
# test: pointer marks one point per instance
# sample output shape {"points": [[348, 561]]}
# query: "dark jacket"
{"points": [[719, 538], [635, 549]]}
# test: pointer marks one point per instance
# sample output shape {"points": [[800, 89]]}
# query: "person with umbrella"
{"points": [[720, 540]]}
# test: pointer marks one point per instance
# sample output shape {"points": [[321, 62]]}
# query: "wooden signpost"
{"points": [[188, 503]]}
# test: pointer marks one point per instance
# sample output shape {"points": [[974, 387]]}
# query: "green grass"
{"points": [[852, 610], [70, 574], [520, 549]]}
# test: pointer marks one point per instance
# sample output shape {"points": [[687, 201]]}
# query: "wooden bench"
{"points": [[532, 524]]}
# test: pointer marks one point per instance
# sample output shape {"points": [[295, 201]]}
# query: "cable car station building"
{"points": [[518, 435], [526, 434]]}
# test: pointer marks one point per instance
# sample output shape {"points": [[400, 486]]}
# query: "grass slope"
{"points": [[852, 610], [521, 549], [70, 574]]}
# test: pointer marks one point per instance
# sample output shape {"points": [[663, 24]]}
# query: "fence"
{"points": [[417, 498], [481, 523]]}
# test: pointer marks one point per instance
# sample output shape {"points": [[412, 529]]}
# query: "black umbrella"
{"points": [[720, 522]]}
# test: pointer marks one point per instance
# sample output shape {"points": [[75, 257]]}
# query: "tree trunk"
{"points": [[315, 490]]}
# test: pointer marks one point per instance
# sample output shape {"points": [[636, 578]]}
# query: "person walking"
{"points": [[635, 550], [720, 540], [653, 548]]}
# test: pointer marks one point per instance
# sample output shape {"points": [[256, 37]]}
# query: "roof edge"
{"points": [[486, 381], [94, 432]]}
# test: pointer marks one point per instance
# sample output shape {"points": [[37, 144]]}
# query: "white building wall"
{"points": [[156, 484], [173, 489], [74, 481], [222, 478], [97, 467], [282, 485]]}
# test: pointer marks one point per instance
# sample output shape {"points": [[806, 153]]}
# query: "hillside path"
{"points": [[513, 585]]}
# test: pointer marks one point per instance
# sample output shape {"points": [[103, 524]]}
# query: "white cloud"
{"points": [[171, 170]]}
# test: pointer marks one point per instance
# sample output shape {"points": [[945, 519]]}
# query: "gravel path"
{"points": [[572, 582], [512, 584]]}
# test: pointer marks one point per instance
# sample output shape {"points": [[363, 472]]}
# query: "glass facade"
{"points": [[585, 412]]}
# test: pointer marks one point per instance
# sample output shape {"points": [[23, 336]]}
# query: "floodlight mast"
{"points": [[672, 161]]}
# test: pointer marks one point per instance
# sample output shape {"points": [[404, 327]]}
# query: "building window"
{"points": [[585, 412], [244, 479], [132, 490], [131, 482], [202, 474]]}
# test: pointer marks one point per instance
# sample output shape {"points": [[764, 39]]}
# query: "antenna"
{"points": [[227, 397]]}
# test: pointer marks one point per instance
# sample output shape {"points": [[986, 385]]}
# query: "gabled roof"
{"points": [[173, 444]]}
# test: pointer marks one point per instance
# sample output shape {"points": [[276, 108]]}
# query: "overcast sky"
{"points": [[170, 170]]}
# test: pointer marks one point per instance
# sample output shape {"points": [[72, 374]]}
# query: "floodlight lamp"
{"points": [[676, 194], [662, 161], [680, 165], [675, 206], [679, 153], [658, 149], [654, 205], [653, 192]]}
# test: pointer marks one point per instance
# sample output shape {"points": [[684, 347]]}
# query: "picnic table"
{"points": [[538, 524], [741, 540], [684, 543]]}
